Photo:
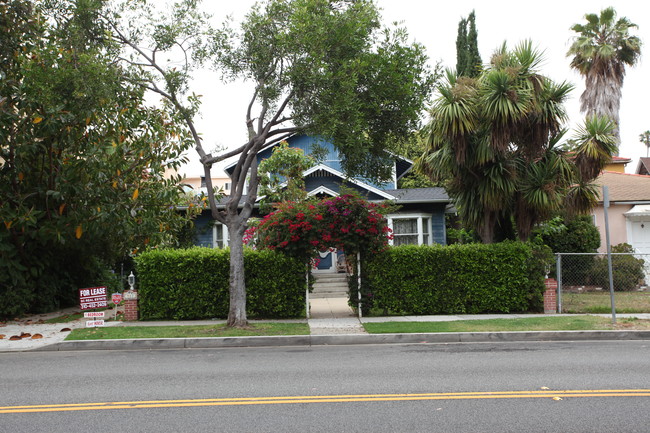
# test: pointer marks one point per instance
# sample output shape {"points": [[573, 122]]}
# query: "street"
{"points": [[504, 387]]}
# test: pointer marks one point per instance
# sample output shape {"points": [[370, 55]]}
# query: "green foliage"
{"points": [[193, 284], [281, 176], [627, 270], [457, 279], [468, 59], [576, 235], [81, 160]]}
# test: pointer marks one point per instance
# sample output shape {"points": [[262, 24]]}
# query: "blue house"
{"points": [[420, 219]]}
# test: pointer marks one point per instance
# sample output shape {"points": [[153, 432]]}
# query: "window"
{"points": [[410, 229], [219, 236], [226, 186]]}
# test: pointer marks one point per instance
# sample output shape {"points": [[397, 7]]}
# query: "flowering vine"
{"points": [[346, 222]]}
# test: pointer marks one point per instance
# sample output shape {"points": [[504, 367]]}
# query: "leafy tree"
{"points": [[494, 142], [468, 58], [570, 235], [281, 176], [319, 67], [81, 160], [601, 51]]}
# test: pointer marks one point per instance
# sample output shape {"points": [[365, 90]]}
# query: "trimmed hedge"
{"points": [[193, 284], [456, 279]]}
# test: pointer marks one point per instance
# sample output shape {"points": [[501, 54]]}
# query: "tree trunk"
{"points": [[486, 229], [237, 313]]}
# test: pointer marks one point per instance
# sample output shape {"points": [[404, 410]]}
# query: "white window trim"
{"points": [[224, 232], [421, 217]]}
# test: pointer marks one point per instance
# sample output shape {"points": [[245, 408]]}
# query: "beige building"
{"points": [[629, 210], [196, 184]]}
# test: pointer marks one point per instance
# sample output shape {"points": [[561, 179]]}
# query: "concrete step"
{"points": [[330, 286], [329, 278]]}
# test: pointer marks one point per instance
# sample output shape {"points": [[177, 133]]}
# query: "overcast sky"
{"points": [[434, 24]]}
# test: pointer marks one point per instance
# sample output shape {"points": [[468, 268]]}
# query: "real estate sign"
{"points": [[92, 297]]}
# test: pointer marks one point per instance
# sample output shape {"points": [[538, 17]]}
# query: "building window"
{"points": [[410, 229], [226, 186], [203, 185], [219, 236]]}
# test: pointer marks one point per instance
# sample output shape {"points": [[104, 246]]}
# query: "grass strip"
{"points": [[577, 323], [190, 331], [599, 302]]}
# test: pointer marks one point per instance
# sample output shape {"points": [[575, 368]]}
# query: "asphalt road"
{"points": [[487, 387]]}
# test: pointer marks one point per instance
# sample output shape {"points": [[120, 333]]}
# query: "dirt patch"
{"points": [[632, 325]]}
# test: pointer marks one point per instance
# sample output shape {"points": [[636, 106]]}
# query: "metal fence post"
{"points": [[558, 271], [609, 252]]}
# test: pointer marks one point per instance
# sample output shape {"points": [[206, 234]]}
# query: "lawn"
{"points": [[192, 331], [599, 302], [577, 323]]}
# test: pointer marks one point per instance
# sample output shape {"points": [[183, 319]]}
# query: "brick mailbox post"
{"points": [[130, 305], [550, 296]]}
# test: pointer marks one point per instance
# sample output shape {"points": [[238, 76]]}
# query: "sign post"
{"points": [[116, 298]]}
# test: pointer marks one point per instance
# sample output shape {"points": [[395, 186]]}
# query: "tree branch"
{"points": [[249, 121]]}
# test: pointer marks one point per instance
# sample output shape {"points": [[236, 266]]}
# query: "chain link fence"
{"points": [[584, 283]]}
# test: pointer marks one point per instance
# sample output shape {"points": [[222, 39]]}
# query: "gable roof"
{"points": [[644, 166], [331, 171], [624, 187]]}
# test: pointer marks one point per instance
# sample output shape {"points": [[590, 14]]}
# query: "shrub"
{"points": [[471, 279], [578, 235], [627, 270], [193, 284]]}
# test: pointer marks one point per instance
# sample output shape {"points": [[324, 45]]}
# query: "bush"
{"points": [[193, 284], [456, 279], [47, 277], [627, 271], [578, 235]]}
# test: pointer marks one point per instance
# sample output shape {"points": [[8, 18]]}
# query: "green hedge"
{"points": [[456, 279], [193, 284]]}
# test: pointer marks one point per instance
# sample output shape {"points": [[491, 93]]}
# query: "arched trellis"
{"points": [[346, 222]]}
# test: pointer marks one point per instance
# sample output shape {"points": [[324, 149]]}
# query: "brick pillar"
{"points": [[550, 296], [130, 305]]}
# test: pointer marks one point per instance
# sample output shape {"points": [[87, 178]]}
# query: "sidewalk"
{"points": [[332, 322]]}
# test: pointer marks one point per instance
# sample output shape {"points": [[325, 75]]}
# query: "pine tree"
{"points": [[461, 47], [473, 57], [468, 59]]}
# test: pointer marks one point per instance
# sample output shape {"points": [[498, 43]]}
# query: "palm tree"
{"points": [[494, 142], [601, 51], [645, 139]]}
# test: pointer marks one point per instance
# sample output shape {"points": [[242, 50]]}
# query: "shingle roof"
{"points": [[419, 195], [624, 186]]}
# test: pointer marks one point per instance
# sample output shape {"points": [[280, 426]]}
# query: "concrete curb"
{"points": [[348, 339]]}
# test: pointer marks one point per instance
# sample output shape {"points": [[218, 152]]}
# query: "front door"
{"points": [[640, 236], [327, 262]]}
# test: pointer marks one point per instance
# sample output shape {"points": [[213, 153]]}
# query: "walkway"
{"points": [[329, 316]]}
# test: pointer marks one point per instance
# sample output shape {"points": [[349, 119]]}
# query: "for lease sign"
{"points": [[92, 297]]}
